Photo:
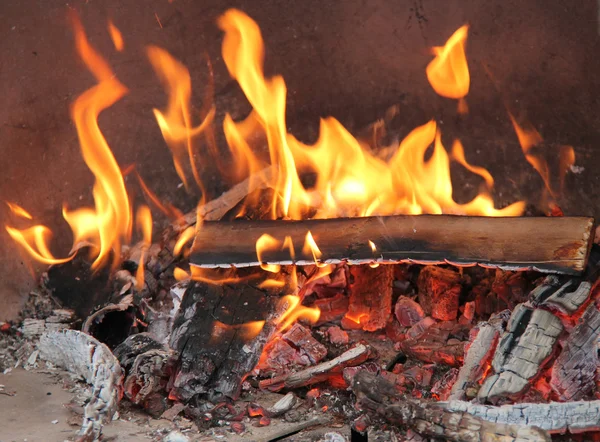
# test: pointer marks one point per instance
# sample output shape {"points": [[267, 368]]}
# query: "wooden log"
{"points": [[84, 356], [557, 244], [554, 417], [522, 352], [429, 419], [217, 333], [574, 369]]}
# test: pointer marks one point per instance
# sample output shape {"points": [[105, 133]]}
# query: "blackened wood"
{"points": [[209, 333], [146, 382], [429, 419], [566, 297], [556, 244], [574, 369]]}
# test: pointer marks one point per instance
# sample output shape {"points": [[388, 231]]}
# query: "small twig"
{"points": [[293, 429]]}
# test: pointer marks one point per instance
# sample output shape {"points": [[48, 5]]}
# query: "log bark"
{"points": [[86, 357], [559, 244]]}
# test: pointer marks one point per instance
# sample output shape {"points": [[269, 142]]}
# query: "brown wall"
{"points": [[351, 59]]}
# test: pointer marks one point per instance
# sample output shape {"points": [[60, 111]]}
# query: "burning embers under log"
{"points": [[343, 319]]}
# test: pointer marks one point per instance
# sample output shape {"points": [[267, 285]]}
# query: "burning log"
{"points": [[219, 335], [574, 370], [479, 355], [319, 373], [439, 291], [434, 345], [146, 383], [522, 352], [556, 295], [430, 419], [86, 357], [555, 244], [370, 295]]}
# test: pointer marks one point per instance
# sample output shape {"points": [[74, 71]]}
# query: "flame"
{"points": [[187, 235], [529, 137], [294, 310], [458, 155], [144, 224], [448, 72], [310, 247], [350, 180], [246, 331], [18, 210], [116, 36], [267, 243], [35, 241], [175, 122], [208, 276]]}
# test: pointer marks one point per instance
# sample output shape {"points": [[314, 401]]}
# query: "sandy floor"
{"points": [[39, 401]]}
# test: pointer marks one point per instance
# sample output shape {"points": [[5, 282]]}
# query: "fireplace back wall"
{"points": [[350, 59]]}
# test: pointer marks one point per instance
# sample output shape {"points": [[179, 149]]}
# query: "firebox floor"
{"points": [[37, 406]]}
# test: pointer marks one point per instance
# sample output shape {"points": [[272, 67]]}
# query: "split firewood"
{"points": [[434, 344], [432, 420], [565, 297], [552, 244], [554, 417], [477, 360], [522, 352], [215, 209], [219, 333], [439, 292], [321, 372], [370, 297], [86, 357], [574, 369]]}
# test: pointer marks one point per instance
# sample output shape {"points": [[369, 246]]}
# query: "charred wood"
{"points": [[565, 297], [91, 360], [439, 292], [432, 420], [321, 372], [370, 293], [146, 383], [435, 344], [133, 346], [522, 352], [574, 369]]}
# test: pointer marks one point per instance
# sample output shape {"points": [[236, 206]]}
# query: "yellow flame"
{"points": [[267, 243], [448, 72], [116, 36], [294, 310], [144, 224], [246, 331], [310, 248], [35, 241], [184, 238], [18, 210], [458, 155], [175, 122]]}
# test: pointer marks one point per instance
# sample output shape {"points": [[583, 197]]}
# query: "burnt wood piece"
{"points": [[566, 297], [439, 292], [211, 332], [556, 244], [554, 417], [435, 345], [128, 350], [477, 360], [574, 369], [146, 383], [319, 373], [522, 352], [84, 356], [431, 420], [370, 298]]}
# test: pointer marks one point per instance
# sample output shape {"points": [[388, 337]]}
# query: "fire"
{"points": [[350, 180], [265, 243], [448, 72], [144, 224], [311, 248], [109, 223], [294, 310], [116, 36]]}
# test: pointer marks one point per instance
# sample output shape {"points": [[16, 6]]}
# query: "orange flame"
{"points": [[448, 72], [144, 224], [187, 235], [175, 122], [529, 137], [310, 247], [116, 36], [294, 310], [246, 331], [265, 243], [350, 181], [18, 210]]}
